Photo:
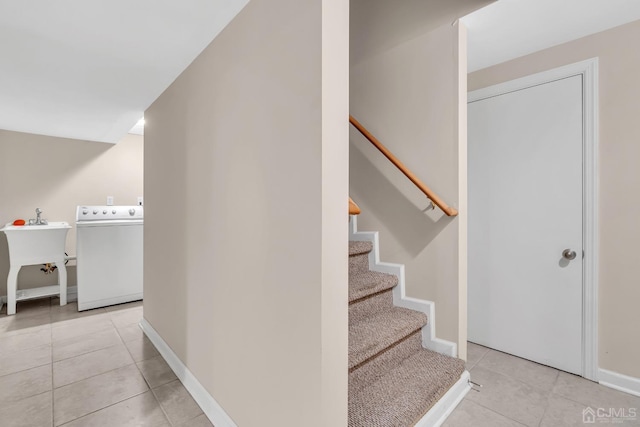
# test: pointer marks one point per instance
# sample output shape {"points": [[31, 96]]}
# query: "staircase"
{"points": [[393, 380]]}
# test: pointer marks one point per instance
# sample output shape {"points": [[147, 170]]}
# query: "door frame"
{"points": [[588, 69]]}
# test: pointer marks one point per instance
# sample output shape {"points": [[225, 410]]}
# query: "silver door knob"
{"points": [[569, 254]]}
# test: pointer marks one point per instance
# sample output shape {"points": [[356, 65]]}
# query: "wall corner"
{"points": [[461, 53]]}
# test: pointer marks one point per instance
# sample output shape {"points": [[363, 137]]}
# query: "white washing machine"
{"points": [[109, 255]]}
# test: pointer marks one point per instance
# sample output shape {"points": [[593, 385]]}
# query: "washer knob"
{"points": [[104, 212], [113, 211], [95, 211], [84, 211], [132, 212]]}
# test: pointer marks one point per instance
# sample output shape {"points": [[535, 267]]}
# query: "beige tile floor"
{"points": [[517, 392], [59, 367]]}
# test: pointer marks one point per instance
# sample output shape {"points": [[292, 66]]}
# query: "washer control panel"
{"points": [[106, 213]]}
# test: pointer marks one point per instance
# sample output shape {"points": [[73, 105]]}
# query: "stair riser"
{"points": [[393, 380], [358, 263], [376, 367], [366, 307]]}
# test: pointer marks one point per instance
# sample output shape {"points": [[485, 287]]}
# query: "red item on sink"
{"points": [[19, 222]]}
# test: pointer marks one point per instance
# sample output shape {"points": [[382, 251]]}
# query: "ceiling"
{"points": [[88, 69], [509, 29]]}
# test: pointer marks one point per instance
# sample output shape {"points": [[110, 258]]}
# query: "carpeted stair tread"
{"points": [[367, 307], [376, 367], [359, 248], [365, 283], [376, 333], [407, 392]]}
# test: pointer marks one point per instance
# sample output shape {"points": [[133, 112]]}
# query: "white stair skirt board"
{"points": [[447, 403], [207, 403], [619, 382], [72, 294], [400, 299]]}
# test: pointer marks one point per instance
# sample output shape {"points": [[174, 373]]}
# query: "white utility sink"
{"points": [[36, 244]]}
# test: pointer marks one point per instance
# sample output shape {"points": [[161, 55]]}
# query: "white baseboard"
{"points": [[400, 299], [619, 382], [445, 406], [210, 407]]}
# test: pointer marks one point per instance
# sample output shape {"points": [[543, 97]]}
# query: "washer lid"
{"points": [[105, 213]]}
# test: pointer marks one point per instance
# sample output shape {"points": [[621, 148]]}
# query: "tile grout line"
{"points": [[72, 320], [98, 410], [126, 326], [93, 376], [96, 375], [22, 349], [546, 409], [184, 423], [79, 336], [10, 404], [100, 349], [151, 389], [550, 393], [545, 393], [164, 412], [496, 412], [91, 333], [573, 400], [570, 398], [51, 389], [115, 403], [85, 353], [26, 369], [481, 357], [519, 380]]}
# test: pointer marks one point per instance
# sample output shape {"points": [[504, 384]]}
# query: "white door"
{"points": [[525, 210]]}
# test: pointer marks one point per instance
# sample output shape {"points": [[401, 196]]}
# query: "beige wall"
{"points": [[619, 210], [461, 124], [55, 175], [245, 228], [379, 25], [409, 97]]}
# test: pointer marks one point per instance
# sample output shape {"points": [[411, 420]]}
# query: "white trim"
{"points": [[72, 295], [533, 80], [35, 293], [210, 407], [88, 305], [588, 69], [590, 243], [400, 298], [620, 382], [447, 403]]}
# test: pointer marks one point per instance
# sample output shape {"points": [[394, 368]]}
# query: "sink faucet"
{"points": [[40, 221]]}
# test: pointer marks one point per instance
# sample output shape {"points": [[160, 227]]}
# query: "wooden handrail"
{"points": [[412, 177], [353, 208]]}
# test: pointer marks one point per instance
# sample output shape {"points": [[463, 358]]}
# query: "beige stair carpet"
{"points": [[393, 381]]}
